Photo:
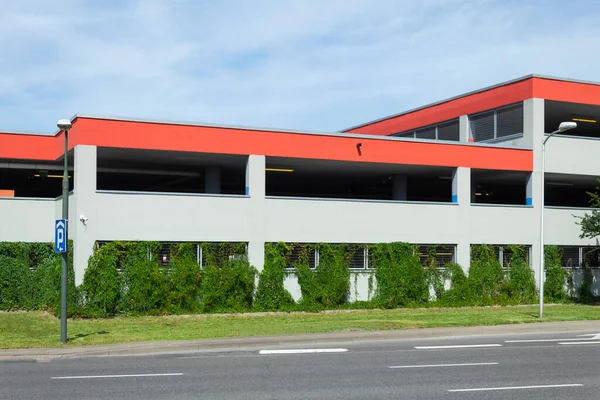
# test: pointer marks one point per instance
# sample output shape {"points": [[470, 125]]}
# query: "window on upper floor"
{"points": [[496, 124], [448, 131]]}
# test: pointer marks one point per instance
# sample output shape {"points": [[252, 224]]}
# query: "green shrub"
{"points": [[328, 284], [271, 293], [486, 277], [102, 284], [14, 283], [521, 282], [229, 287], [399, 274], [143, 282], [434, 275], [459, 293], [554, 285], [184, 280]]}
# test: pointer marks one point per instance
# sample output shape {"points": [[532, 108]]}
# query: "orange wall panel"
{"points": [[155, 136], [470, 104], [7, 193], [573, 92]]}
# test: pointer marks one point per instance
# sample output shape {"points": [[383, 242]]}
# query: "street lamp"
{"points": [[563, 127], [64, 125]]}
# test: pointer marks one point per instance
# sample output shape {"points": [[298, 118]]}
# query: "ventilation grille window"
{"points": [[591, 257], [358, 260], [570, 257], [443, 254], [426, 133], [302, 253], [482, 126], [509, 121], [449, 131]]}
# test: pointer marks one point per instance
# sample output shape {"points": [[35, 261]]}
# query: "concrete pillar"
{"points": [[463, 128], [83, 206], [461, 182], [213, 180], [533, 134], [399, 187], [255, 188], [529, 190]]}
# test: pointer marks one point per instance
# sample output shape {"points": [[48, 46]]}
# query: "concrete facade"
{"points": [[256, 218]]}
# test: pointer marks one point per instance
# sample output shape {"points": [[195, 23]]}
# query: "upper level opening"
{"points": [[587, 117]]}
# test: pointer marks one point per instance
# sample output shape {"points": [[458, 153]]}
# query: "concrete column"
{"points": [[463, 123], [529, 190], [533, 134], [213, 180], [461, 182], [84, 196], [399, 187], [255, 188]]}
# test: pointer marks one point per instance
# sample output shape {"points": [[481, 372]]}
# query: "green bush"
{"points": [[554, 285], [400, 277], [184, 280], [143, 281], [271, 293], [521, 282], [14, 283], [229, 287], [434, 275], [486, 277], [328, 284], [102, 284], [459, 292]]}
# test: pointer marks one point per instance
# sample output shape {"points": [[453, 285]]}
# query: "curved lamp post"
{"points": [[563, 127]]}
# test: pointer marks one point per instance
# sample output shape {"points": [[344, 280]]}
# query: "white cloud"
{"points": [[304, 64]]}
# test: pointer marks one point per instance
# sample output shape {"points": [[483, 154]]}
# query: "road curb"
{"points": [[256, 342]]}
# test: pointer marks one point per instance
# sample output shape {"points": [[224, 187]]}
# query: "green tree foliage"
{"points": [[328, 284], [399, 274], [184, 280], [486, 277], [102, 284], [521, 283], [554, 285], [143, 281], [590, 222], [271, 293], [459, 292]]}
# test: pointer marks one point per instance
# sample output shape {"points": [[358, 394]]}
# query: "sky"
{"points": [[315, 65]]}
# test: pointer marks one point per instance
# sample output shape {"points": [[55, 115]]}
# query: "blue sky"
{"points": [[321, 65]]}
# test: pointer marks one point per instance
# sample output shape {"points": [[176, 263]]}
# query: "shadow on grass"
{"points": [[83, 335]]}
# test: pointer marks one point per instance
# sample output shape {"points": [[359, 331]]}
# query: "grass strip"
{"points": [[38, 329]]}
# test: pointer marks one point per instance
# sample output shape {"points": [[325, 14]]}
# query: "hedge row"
{"points": [[127, 277]]}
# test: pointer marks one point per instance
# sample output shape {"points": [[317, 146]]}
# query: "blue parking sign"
{"points": [[60, 236]]}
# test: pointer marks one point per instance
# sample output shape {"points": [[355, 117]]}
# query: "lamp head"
{"points": [[64, 124], [565, 126]]}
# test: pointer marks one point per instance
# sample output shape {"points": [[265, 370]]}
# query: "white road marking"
{"points": [[538, 340], [302, 351], [113, 376], [515, 388], [458, 346], [442, 365], [579, 343], [594, 336]]}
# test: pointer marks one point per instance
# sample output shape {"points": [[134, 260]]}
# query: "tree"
{"points": [[590, 222]]}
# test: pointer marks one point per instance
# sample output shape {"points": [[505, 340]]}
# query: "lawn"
{"points": [[38, 329]]}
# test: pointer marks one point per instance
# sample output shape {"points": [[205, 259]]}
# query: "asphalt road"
{"points": [[499, 367]]}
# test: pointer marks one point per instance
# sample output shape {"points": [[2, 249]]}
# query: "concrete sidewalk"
{"points": [[257, 342]]}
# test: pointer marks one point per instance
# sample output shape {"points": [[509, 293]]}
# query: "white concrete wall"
{"points": [[27, 220], [561, 227], [571, 155], [307, 220]]}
